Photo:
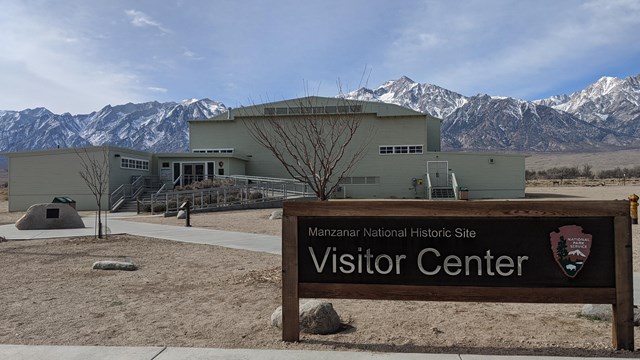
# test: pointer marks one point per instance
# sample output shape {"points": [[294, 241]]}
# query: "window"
{"points": [[137, 164], [360, 180], [386, 150], [298, 110], [166, 165], [213, 151], [400, 149]]}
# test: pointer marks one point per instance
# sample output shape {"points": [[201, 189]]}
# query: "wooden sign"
{"points": [[540, 252]]}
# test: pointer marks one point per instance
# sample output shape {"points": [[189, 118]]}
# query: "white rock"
{"points": [[182, 214], [114, 265], [316, 317], [605, 312], [50, 216], [276, 215]]}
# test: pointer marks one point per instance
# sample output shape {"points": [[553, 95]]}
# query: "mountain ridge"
{"points": [[604, 115]]}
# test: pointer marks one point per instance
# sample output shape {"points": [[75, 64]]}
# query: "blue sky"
{"points": [[77, 56]]}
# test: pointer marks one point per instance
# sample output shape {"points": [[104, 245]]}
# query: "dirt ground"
{"points": [[209, 296]]}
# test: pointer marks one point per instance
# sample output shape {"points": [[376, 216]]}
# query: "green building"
{"points": [[401, 159]]}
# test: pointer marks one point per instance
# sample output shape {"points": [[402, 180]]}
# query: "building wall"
{"points": [[382, 176], [374, 131], [39, 176], [487, 176], [120, 175], [230, 165]]}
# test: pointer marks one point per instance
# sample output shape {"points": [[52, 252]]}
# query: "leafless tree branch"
{"points": [[315, 146], [95, 171]]}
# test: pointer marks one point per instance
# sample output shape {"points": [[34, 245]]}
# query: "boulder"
{"points": [[50, 216], [276, 215], [127, 265], [316, 317], [182, 214], [605, 312]]}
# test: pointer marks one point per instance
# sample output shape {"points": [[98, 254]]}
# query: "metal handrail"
{"points": [[161, 189], [225, 196], [177, 180], [129, 191], [454, 185]]}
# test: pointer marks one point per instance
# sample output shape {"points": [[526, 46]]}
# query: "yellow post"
{"points": [[633, 207]]}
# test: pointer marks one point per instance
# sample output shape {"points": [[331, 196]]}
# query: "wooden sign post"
{"points": [[498, 251]]}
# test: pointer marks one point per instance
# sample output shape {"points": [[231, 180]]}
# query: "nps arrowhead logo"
{"points": [[571, 248]]}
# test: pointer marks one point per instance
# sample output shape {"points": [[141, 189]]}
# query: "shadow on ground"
{"points": [[496, 351], [550, 196]]}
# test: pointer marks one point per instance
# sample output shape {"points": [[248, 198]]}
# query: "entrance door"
{"points": [[438, 173], [192, 172]]}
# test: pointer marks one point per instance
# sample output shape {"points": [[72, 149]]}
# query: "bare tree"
{"points": [[313, 140], [95, 171]]}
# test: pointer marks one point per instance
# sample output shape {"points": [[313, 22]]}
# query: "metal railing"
{"points": [[454, 185], [242, 191], [130, 191]]}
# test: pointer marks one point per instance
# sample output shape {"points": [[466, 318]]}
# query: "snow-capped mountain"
{"points": [[604, 115], [149, 126], [498, 124], [39, 128], [426, 98], [483, 122], [610, 102]]}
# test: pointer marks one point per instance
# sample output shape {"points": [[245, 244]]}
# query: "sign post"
{"points": [[532, 252]]}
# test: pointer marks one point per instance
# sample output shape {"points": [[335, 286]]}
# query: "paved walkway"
{"points": [[23, 352], [263, 243], [117, 224]]}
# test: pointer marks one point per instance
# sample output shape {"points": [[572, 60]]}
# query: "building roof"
{"points": [[317, 105]]}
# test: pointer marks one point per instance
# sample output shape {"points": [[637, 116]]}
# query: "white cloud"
{"points": [[157, 89], [192, 55], [140, 19], [514, 48], [41, 67]]}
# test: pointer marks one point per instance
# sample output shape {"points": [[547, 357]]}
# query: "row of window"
{"points": [[400, 149], [383, 150], [360, 180], [343, 109], [130, 163], [214, 151]]}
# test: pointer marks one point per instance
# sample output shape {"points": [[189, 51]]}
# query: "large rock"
{"points": [[276, 215], [50, 216], [316, 317], [127, 265], [605, 312]]}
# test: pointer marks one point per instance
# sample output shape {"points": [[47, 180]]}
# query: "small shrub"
{"points": [[2, 239], [256, 195], [231, 198]]}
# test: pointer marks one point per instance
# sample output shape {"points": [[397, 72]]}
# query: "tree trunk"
{"points": [[99, 223]]}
